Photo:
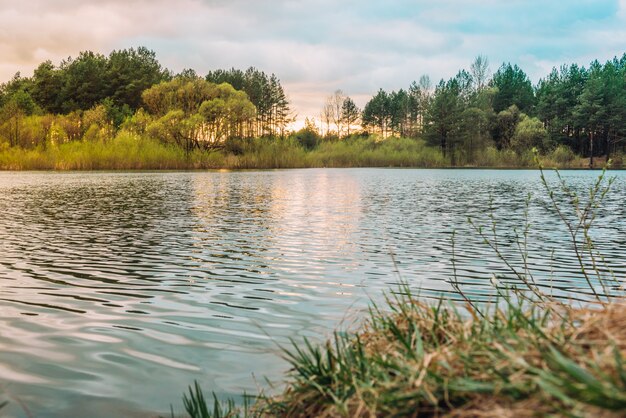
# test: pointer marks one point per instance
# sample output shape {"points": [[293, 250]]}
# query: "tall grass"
{"points": [[433, 360], [268, 153], [376, 152], [525, 354], [124, 152], [128, 151]]}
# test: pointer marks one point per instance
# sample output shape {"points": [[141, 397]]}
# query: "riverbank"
{"points": [[421, 359], [132, 152]]}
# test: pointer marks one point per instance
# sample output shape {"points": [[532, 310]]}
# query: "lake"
{"points": [[119, 289]]}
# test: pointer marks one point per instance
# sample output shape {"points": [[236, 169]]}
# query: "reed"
{"points": [[129, 151], [124, 152]]}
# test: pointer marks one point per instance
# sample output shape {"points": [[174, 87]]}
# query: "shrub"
{"points": [[562, 155]]}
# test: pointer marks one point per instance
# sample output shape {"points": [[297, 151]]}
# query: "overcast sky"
{"points": [[316, 47]]}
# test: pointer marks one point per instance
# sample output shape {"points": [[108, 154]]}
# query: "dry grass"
{"points": [[421, 360], [432, 361]]}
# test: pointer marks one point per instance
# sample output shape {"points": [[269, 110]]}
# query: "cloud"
{"points": [[32, 31], [316, 47]]}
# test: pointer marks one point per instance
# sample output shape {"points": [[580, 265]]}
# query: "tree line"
{"points": [[583, 109], [579, 109], [92, 96]]}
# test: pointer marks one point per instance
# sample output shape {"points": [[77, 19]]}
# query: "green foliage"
{"points": [[350, 114], [442, 117], [129, 73], [93, 96], [52, 149], [17, 103], [47, 87], [89, 79], [197, 114], [138, 122], [266, 94], [17, 90], [399, 113], [583, 109], [513, 88], [529, 133], [269, 153], [586, 108], [590, 112], [84, 81], [308, 137], [126, 151], [557, 96], [400, 110], [505, 124], [197, 407], [562, 155], [375, 152], [494, 157], [377, 113], [97, 116]]}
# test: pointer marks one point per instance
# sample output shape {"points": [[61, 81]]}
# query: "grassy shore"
{"points": [[525, 354], [128, 151], [432, 360]]}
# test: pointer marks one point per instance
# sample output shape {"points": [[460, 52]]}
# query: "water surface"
{"points": [[119, 289]]}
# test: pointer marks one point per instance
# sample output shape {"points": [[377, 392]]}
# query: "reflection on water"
{"points": [[119, 289]]}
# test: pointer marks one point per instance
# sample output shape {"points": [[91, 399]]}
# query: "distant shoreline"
{"points": [[217, 170], [130, 152]]}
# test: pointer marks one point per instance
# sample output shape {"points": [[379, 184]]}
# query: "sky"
{"points": [[318, 46]]}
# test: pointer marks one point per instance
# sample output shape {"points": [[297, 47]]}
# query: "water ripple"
{"points": [[119, 289]]}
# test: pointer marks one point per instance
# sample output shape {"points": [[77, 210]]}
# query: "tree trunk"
{"points": [[443, 145], [452, 156], [17, 130], [591, 149]]}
